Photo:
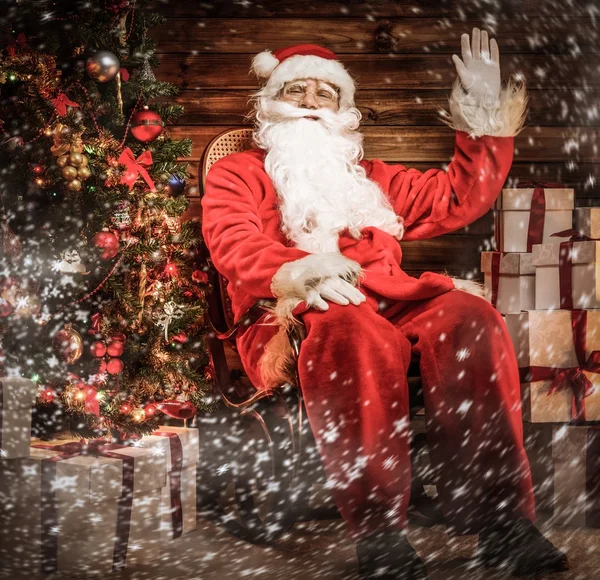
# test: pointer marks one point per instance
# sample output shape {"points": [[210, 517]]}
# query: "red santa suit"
{"points": [[354, 359]]}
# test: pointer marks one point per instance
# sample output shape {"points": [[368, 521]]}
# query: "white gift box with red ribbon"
{"points": [[81, 509], [180, 445], [567, 275], [526, 216], [509, 281]]}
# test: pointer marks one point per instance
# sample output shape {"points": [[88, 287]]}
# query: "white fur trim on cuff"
{"points": [[470, 286], [293, 280], [503, 117]]}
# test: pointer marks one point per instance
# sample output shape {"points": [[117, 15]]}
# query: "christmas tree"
{"points": [[101, 289]]}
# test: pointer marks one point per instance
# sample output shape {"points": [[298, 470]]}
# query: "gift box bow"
{"points": [[571, 378]]}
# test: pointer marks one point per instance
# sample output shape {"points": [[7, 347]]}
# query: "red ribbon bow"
{"points": [[135, 168], [61, 102], [570, 378], [15, 45]]}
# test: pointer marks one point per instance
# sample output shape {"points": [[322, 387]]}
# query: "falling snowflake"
{"points": [[463, 354]]}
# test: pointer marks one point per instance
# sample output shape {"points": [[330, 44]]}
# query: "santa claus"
{"points": [[302, 219]]}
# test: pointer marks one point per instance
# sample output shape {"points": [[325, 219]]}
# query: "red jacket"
{"points": [[241, 222]]}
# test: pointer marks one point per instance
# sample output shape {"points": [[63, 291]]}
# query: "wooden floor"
{"points": [[323, 550]]}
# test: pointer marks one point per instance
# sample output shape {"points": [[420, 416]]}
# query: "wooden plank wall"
{"points": [[400, 53]]}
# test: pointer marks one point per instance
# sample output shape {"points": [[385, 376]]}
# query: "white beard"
{"points": [[314, 168]]}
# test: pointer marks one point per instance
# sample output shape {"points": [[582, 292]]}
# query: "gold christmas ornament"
{"points": [[69, 172], [70, 157], [62, 161], [83, 173], [74, 185], [76, 158]]}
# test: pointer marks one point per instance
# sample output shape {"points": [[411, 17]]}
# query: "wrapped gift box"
{"points": [[81, 513], [17, 397], [552, 346], [515, 208], [576, 455], [587, 221], [580, 267], [180, 445], [509, 281]]}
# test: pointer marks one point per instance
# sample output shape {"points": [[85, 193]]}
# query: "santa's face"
{"points": [[311, 94], [313, 152]]}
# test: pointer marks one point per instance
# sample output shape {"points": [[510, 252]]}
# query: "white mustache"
{"points": [[274, 110]]}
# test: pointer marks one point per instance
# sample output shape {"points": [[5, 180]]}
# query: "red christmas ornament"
{"points": [[68, 344], [98, 349], [115, 366], [108, 243], [150, 410], [146, 125], [101, 367], [125, 408], [171, 269], [200, 277], [116, 345], [181, 338], [48, 395]]}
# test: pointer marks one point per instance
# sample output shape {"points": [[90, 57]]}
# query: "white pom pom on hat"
{"points": [[263, 64], [304, 61]]}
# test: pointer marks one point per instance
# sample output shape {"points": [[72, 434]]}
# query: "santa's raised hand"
{"points": [[479, 69]]}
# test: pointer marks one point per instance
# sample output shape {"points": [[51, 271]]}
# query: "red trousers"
{"points": [[352, 367]]}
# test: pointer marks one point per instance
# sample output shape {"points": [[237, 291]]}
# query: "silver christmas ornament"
{"points": [[103, 66]]}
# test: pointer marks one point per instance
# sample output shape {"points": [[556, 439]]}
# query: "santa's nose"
{"points": [[309, 102]]}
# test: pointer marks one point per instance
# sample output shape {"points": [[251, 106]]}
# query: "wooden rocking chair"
{"points": [[265, 449]]}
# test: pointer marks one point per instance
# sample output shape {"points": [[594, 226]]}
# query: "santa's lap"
{"points": [[352, 368]]}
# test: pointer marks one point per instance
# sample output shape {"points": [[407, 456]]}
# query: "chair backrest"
{"points": [[226, 143]]}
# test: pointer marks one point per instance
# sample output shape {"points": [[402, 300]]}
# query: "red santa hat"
{"points": [[304, 61]]}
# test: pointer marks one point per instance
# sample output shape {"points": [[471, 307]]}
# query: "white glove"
{"points": [[335, 289], [480, 71]]}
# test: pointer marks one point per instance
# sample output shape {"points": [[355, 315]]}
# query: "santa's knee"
{"points": [[339, 321], [472, 317]]}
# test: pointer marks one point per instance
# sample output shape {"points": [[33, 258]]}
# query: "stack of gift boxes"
{"points": [[544, 279], [89, 507]]}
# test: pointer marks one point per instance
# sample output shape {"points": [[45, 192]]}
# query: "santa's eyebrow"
{"points": [[325, 85], [321, 85]]}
